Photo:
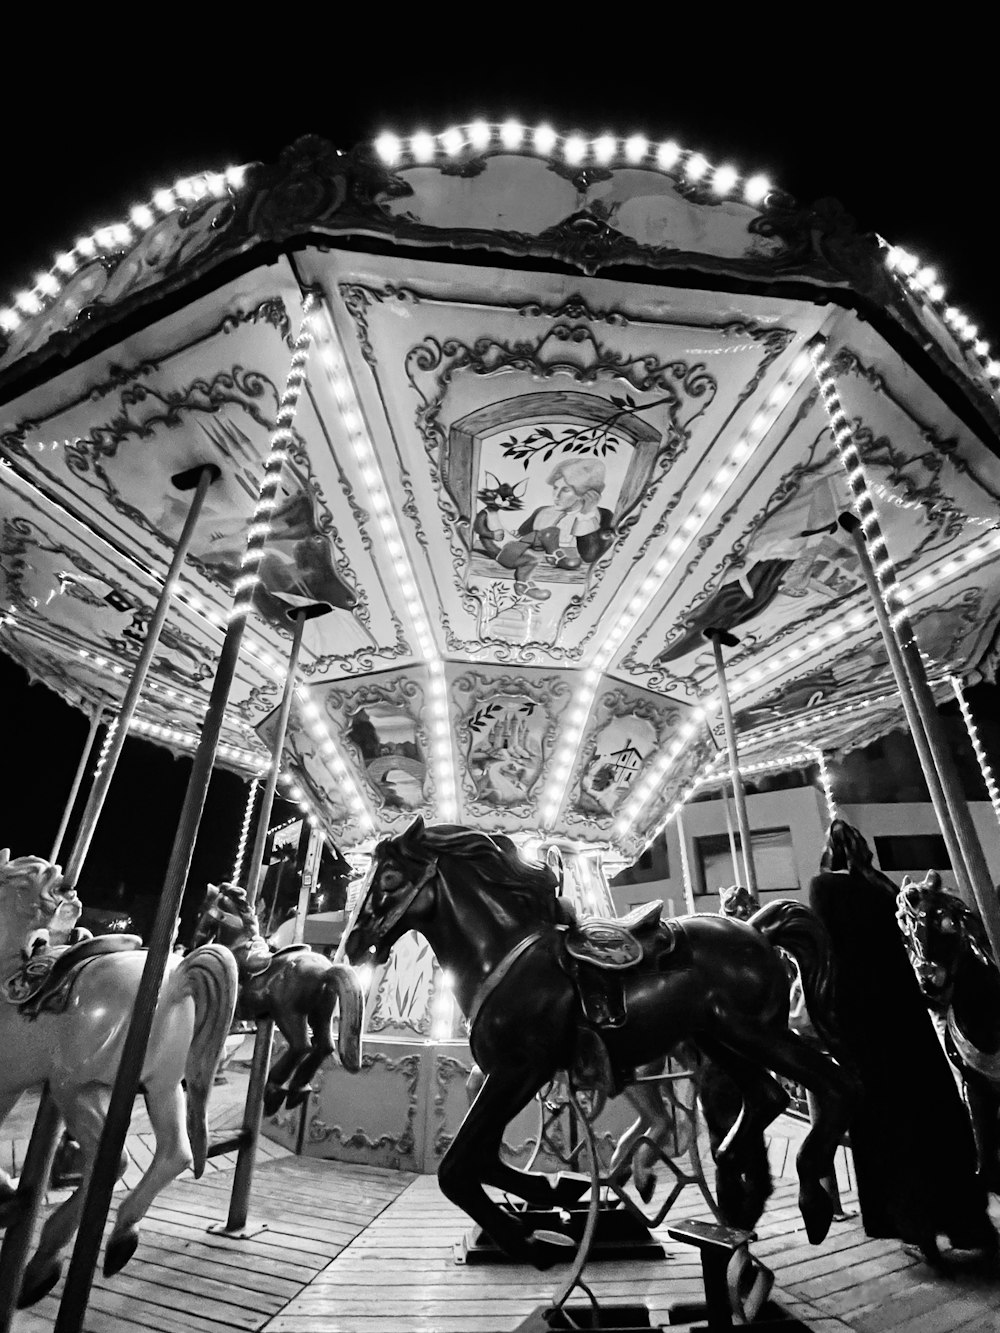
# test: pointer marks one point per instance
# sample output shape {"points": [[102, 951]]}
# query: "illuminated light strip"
{"points": [[864, 505], [102, 758], [333, 759], [922, 282], [793, 760], [241, 849], [120, 236], [198, 605], [977, 746], [281, 437], [189, 740], [827, 783], [564, 758], [575, 150], [439, 729]]}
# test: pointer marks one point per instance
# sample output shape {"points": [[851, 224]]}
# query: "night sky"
{"points": [[899, 125]]}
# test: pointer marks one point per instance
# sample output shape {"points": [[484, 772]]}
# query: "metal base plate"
{"points": [[246, 1232], [619, 1235]]}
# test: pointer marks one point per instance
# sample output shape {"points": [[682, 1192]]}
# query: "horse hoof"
{"points": [[274, 1099], [645, 1186], [121, 1247], [39, 1279], [816, 1208], [295, 1099]]}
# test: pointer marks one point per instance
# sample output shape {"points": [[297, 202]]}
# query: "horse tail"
{"points": [[797, 929], [342, 986], [208, 976]]}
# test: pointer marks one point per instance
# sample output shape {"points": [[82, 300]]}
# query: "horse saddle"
{"points": [[254, 962], [607, 943], [599, 950], [45, 980]]}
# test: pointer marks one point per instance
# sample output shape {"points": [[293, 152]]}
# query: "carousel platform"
{"points": [[357, 1249]]}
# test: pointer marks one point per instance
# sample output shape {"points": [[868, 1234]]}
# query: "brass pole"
{"points": [[299, 619], [685, 863], [199, 479], [76, 1293], [718, 637], [852, 525], [310, 877], [74, 790], [35, 1172]]}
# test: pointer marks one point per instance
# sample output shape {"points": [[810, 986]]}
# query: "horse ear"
{"points": [[4, 856], [416, 828]]}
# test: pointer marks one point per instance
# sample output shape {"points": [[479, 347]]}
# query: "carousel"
{"points": [[493, 482]]}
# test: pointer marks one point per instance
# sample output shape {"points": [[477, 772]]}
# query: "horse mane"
{"points": [[496, 861]]}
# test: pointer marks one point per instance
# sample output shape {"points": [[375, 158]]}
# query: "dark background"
{"points": [[898, 124]]}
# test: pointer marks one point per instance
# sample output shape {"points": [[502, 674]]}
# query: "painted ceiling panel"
{"points": [[523, 493]]}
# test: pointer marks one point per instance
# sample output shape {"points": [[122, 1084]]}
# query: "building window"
{"points": [[912, 851], [773, 860]]}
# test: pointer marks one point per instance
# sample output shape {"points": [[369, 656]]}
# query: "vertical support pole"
{"points": [[824, 777], [253, 1113], [883, 587], [977, 867], [74, 790], [34, 1178], [718, 637], [76, 1293], [733, 850], [977, 746], [241, 849], [199, 479], [299, 619], [685, 863], [852, 525], [310, 877]]}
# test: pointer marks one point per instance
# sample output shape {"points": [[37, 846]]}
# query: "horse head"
{"points": [[737, 902], [937, 929], [33, 896], [401, 868]]}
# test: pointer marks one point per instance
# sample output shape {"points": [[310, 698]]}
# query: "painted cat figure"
{"points": [[500, 498]]}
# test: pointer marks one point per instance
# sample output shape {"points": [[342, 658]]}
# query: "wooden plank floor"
{"points": [[350, 1249]]}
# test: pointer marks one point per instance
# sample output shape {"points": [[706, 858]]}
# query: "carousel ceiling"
{"points": [[561, 417]]}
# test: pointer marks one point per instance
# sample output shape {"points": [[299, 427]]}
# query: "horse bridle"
{"points": [[399, 910]]}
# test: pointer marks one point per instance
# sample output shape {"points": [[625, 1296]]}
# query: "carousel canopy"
{"points": [[562, 415]]}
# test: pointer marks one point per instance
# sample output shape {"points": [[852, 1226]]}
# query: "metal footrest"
{"points": [[619, 1235]]}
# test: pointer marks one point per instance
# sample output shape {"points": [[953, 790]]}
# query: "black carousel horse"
{"points": [[299, 989], [539, 998], [960, 982]]}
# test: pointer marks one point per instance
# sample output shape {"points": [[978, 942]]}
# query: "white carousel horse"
{"points": [[74, 1042]]}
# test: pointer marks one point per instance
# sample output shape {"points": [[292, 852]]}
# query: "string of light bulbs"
{"points": [[373, 480], [121, 236], [566, 753], [481, 138]]}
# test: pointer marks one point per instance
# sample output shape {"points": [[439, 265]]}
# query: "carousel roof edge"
{"points": [[207, 229]]}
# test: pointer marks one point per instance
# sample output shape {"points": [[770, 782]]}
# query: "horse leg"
{"points": [[84, 1109], [8, 1190], [739, 1099], [637, 1150], [473, 1159], [836, 1089], [292, 1027], [320, 1025], [167, 1110]]}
